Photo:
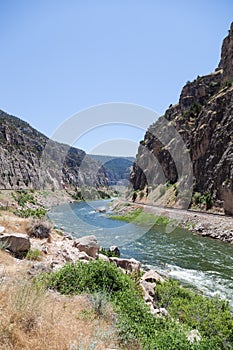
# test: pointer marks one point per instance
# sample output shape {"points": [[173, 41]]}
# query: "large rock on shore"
{"points": [[16, 242], [87, 244], [152, 277], [127, 264]]}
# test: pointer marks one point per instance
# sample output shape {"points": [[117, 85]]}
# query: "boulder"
{"points": [[84, 257], [39, 228], [152, 276], [101, 210], [103, 257], [131, 265], [2, 229], [148, 288], [16, 242], [87, 244]]}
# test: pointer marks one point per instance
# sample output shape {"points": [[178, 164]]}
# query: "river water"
{"points": [[200, 262]]}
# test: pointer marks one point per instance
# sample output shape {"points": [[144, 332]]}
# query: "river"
{"points": [[197, 261]]}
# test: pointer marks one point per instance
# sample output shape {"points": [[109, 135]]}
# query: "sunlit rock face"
{"points": [[28, 159], [204, 119]]}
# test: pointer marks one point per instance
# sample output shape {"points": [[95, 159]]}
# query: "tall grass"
{"points": [[33, 319]]}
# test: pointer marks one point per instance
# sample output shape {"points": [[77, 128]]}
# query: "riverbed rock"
{"points": [[87, 244], [131, 265], [101, 210], [16, 242]]}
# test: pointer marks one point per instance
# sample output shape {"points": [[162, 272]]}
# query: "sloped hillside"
{"points": [[28, 159]]}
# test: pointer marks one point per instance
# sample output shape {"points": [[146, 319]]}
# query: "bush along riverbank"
{"points": [[142, 309], [185, 320]]}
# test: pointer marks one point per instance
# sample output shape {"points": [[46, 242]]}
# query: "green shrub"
{"points": [[141, 195], [208, 201], [26, 213], [22, 197], [227, 83], [141, 217], [128, 216], [33, 254], [137, 326], [198, 198], [96, 276], [205, 198], [108, 253], [99, 303], [212, 317], [134, 196], [103, 194]]}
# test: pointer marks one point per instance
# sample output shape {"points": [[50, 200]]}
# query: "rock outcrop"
{"points": [[28, 159], [131, 265], [16, 242], [226, 63], [87, 244], [203, 119]]}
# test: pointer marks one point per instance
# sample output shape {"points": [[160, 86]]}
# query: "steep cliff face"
{"points": [[28, 159], [226, 62], [204, 120]]}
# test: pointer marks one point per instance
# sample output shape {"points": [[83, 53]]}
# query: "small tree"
{"points": [[208, 201], [134, 197]]}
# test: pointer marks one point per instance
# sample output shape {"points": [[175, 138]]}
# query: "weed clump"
{"points": [[39, 228]]}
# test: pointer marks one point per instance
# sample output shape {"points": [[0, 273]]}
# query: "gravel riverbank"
{"points": [[215, 226]]}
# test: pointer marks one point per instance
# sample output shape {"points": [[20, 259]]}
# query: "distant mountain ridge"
{"points": [[29, 159], [117, 168]]}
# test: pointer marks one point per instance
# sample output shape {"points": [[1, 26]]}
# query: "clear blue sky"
{"points": [[60, 57]]}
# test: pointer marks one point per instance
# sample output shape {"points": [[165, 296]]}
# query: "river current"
{"points": [[197, 261]]}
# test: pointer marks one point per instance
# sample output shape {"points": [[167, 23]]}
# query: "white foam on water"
{"points": [[207, 282]]}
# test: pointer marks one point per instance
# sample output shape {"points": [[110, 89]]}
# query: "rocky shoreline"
{"points": [[56, 249]]}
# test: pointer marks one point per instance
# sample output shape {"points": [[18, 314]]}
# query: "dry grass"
{"points": [[34, 319], [31, 318], [11, 268], [13, 223]]}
